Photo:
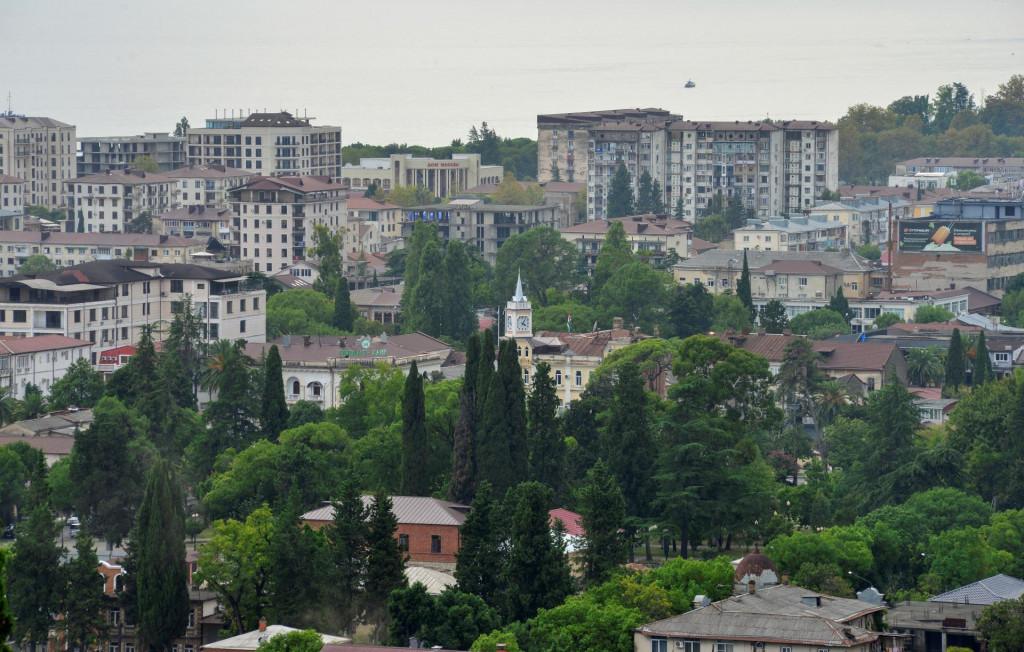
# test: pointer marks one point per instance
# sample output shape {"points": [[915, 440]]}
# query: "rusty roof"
{"points": [[868, 356]]}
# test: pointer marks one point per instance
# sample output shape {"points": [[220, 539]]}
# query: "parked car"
{"points": [[73, 521], [9, 531]]}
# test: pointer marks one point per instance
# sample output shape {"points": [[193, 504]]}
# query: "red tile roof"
{"points": [[571, 521], [868, 356], [39, 343]]}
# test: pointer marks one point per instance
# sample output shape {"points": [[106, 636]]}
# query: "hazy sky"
{"points": [[423, 72]]}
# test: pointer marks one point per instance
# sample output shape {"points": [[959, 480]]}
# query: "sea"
{"points": [[424, 71]]}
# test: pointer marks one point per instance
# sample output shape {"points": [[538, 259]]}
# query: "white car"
{"points": [[74, 522]]}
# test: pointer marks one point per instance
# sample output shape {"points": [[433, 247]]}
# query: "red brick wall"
{"points": [[419, 540]]}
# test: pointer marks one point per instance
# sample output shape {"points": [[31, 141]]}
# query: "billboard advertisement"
{"points": [[942, 236]]}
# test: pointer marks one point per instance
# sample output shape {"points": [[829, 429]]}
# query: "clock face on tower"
{"points": [[508, 323], [523, 323]]}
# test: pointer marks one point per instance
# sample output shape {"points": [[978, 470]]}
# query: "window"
{"points": [[558, 376], [802, 281], [723, 646], [1002, 357], [579, 378], [659, 645], [119, 583], [241, 305], [403, 541], [691, 646], [115, 618], [435, 543], [785, 648], [114, 647], [177, 286], [256, 304], [129, 646], [191, 622], [19, 316], [231, 307], [241, 326], [871, 384]]}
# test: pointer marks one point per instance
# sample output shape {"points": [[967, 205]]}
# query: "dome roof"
{"points": [[754, 564]]}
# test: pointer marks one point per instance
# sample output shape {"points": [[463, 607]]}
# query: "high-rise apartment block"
{"points": [[40, 151], [119, 152], [109, 200], [268, 144], [774, 168]]}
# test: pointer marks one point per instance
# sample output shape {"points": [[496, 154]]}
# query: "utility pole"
{"points": [[892, 254]]}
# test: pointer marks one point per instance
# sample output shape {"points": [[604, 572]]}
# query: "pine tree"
{"points": [[629, 442], [620, 194], [537, 575], [33, 575], [82, 600], [480, 558], [840, 304], [162, 580], [644, 194], [547, 447], [296, 569], [677, 212], [274, 414], [6, 619], [427, 310], [502, 453], [602, 515], [658, 199], [415, 449], [982, 363], [344, 312], [772, 317], [385, 562], [615, 253], [346, 537], [485, 370], [460, 320], [955, 374], [460, 487], [743, 289]]}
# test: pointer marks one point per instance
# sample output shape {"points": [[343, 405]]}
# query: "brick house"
{"points": [[428, 528]]}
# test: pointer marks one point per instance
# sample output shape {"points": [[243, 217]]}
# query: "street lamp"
{"points": [[866, 581]]}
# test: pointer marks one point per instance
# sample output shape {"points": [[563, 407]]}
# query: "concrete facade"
{"points": [[67, 249], [40, 151], [109, 200], [812, 233], [119, 152], [443, 178]]}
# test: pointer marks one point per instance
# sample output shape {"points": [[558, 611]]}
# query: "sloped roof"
{"points": [[59, 445], [409, 510], [984, 592], [323, 347], [280, 119], [845, 260], [252, 640], [436, 581], [767, 345], [870, 356], [709, 622], [125, 177], [39, 343], [571, 521]]}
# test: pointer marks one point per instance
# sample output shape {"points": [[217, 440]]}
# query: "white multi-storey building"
{"points": [[640, 146], [109, 200], [39, 361], [273, 217], [65, 249], [40, 151], [108, 302], [268, 144], [12, 194], [206, 185]]}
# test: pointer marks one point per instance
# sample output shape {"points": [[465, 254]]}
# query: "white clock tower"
{"points": [[519, 314]]}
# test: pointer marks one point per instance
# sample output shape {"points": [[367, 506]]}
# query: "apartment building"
{"points": [[387, 218], [273, 217], [485, 226], [998, 169], [200, 222], [650, 236], [109, 200], [812, 233], [107, 302], [41, 152], [268, 144], [38, 361], [99, 154], [443, 178], [563, 139], [866, 219], [206, 185], [12, 194], [66, 249], [640, 146]]}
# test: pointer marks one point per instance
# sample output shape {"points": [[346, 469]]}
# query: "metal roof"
{"points": [[710, 622], [408, 510], [987, 591]]}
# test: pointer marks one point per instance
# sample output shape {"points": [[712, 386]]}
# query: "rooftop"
{"points": [[984, 592], [252, 640], [28, 122], [409, 510], [280, 119], [207, 172], [320, 349], [710, 622], [18, 345], [125, 177], [845, 260]]}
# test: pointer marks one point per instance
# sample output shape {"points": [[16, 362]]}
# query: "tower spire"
{"points": [[519, 288]]}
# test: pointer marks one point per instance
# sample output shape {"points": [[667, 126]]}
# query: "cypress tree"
{"points": [[955, 375], [33, 575], [296, 571], [840, 304], [502, 452], [427, 309], [644, 194], [982, 363], [344, 313], [415, 450], [615, 252], [743, 289], [82, 604], [547, 447], [460, 321], [385, 562], [485, 371], [274, 410], [162, 582], [620, 194], [602, 515], [629, 443], [346, 537], [460, 487], [479, 560], [677, 212], [6, 619]]}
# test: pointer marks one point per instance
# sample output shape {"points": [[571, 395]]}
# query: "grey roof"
{"points": [[787, 599], [408, 510], [987, 591], [709, 622], [30, 122], [845, 260]]}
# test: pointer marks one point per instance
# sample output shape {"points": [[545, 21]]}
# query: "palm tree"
{"points": [[924, 367], [829, 401], [222, 354], [8, 406], [32, 406]]}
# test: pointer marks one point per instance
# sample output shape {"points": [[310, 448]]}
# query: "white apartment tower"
{"points": [[41, 152], [268, 144]]}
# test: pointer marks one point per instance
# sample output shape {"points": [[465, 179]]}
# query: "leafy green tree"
{"points": [[82, 600], [327, 248], [306, 640], [743, 289], [1002, 625], [344, 312], [556, 317], [772, 317], [911, 105], [410, 196], [385, 562], [615, 252], [982, 370], [18, 462], [143, 223], [886, 319], [968, 180], [602, 515], [734, 213], [36, 264], [955, 375], [924, 366], [949, 101], [408, 610], [274, 417], [628, 441], [638, 293], [80, 386], [162, 579], [727, 312], [819, 324], [712, 228], [426, 308], [299, 312], [502, 453], [181, 128], [545, 259], [459, 619], [490, 642], [839, 304], [415, 481], [480, 559], [869, 251], [33, 576], [546, 446], [932, 314], [691, 309], [303, 412], [620, 194], [652, 358], [146, 164], [6, 619], [1012, 307], [460, 319], [537, 574]]}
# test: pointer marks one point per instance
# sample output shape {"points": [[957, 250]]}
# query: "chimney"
{"points": [[263, 624], [657, 331], [751, 587], [745, 331], [786, 331], [636, 331], [760, 330], [616, 322], [785, 578], [307, 340]]}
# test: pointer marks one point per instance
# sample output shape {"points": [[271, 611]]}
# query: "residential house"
{"points": [[312, 365], [811, 233], [428, 528], [302, 273], [53, 435], [652, 236], [39, 361], [201, 222], [387, 218], [866, 218], [381, 304], [998, 168], [12, 195], [206, 185]]}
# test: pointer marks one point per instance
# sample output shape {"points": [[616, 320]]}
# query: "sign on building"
{"points": [[942, 236]]}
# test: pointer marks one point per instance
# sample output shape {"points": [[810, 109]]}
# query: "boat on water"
{"points": [[690, 84]]}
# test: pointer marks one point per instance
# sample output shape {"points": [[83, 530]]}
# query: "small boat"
{"points": [[690, 84]]}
